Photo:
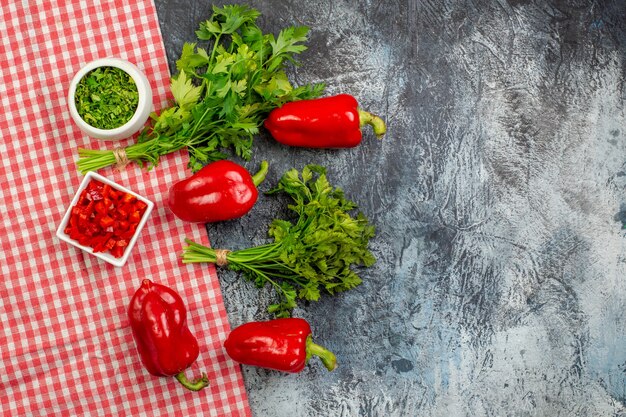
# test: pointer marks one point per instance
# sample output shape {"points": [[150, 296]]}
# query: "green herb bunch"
{"points": [[315, 252], [222, 92]]}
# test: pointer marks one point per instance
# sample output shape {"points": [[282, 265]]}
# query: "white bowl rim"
{"points": [[131, 69], [119, 262]]}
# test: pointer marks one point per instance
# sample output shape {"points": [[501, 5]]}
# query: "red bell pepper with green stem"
{"points": [[222, 190], [328, 122], [157, 317], [284, 344]]}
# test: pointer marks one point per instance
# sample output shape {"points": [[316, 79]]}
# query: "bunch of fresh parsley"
{"points": [[222, 93], [317, 251]]}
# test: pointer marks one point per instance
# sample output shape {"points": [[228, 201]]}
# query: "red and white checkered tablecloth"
{"points": [[65, 343]]}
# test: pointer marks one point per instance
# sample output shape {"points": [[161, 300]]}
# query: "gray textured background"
{"points": [[499, 195]]}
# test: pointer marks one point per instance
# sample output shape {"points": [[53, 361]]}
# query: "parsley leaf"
{"points": [[225, 86], [184, 92], [315, 251]]}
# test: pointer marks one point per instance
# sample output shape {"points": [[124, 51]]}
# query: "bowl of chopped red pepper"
{"points": [[104, 219]]}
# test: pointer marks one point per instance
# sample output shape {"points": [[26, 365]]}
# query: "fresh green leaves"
{"points": [[184, 92], [242, 78], [286, 44], [325, 241], [237, 81], [106, 97], [226, 85], [314, 252], [227, 20]]}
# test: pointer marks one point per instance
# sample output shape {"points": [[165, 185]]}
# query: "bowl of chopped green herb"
{"points": [[110, 99]]}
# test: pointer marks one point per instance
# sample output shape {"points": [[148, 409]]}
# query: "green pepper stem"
{"points": [[260, 175], [378, 124], [327, 357], [195, 385]]}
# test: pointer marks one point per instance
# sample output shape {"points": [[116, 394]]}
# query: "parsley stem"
{"points": [[200, 120], [215, 44], [211, 60], [244, 255], [257, 272]]}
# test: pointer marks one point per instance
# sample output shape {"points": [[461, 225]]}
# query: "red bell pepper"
{"points": [[284, 344], [157, 317], [222, 190], [328, 122]]}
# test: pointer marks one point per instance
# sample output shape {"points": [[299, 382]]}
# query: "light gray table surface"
{"points": [[499, 197]]}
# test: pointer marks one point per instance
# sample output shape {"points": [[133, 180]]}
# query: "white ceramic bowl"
{"points": [[144, 107], [104, 255]]}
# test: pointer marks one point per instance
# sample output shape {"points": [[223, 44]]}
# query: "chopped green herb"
{"points": [[106, 97]]}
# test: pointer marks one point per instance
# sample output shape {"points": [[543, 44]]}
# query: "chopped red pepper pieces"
{"points": [[105, 219]]}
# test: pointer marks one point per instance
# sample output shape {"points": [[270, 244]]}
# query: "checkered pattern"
{"points": [[65, 343]]}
